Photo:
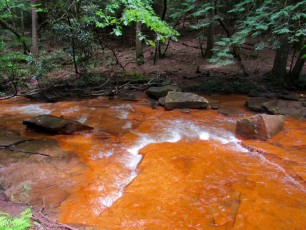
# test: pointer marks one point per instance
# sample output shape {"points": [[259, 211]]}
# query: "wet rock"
{"points": [[52, 124], [8, 138], [152, 103], [228, 111], [161, 101], [179, 100], [215, 106], [284, 107], [45, 147], [51, 196], [158, 92], [256, 103], [261, 126], [127, 97], [290, 96]]}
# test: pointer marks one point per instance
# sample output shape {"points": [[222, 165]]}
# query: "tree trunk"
{"points": [[297, 69], [279, 69], [139, 49], [73, 48], [210, 37], [163, 16], [35, 48], [210, 41]]}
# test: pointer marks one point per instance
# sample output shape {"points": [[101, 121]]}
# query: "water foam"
{"points": [[168, 131], [71, 110], [103, 154], [119, 185], [83, 118], [30, 109], [127, 125], [287, 177], [123, 111]]}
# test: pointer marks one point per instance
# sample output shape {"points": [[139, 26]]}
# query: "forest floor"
{"points": [[184, 66]]}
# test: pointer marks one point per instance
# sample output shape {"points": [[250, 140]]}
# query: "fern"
{"points": [[22, 222]]}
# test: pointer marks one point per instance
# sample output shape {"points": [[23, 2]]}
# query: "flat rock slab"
{"points": [[8, 138], [46, 147], [179, 100], [158, 92], [261, 126], [228, 111], [285, 107], [256, 103], [290, 96], [57, 125]]}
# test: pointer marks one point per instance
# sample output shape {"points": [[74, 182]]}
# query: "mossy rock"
{"points": [[132, 77]]}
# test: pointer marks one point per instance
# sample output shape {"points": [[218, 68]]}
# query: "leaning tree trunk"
{"points": [[279, 69], [139, 48], [297, 69], [34, 31]]}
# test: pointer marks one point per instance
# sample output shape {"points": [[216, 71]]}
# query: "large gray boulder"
{"points": [[285, 107], [179, 100], [261, 126], [158, 92], [52, 124]]}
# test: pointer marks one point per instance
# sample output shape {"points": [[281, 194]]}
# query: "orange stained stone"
{"points": [[152, 169]]}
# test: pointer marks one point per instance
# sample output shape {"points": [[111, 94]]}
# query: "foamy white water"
{"points": [[71, 110], [123, 111], [83, 118], [30, 109], [287, 177], [168, 131]]}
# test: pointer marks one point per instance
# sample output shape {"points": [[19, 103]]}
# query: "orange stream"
{"points": [[152, 169]]}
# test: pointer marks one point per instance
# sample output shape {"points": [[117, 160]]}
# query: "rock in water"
{"points": [[8, 138], [256, 103], [179, 100], [261, 126], [52, 124], [161, 101], [294, 108], [158, 92]]}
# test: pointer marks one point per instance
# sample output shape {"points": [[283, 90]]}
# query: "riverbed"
{"points": [[145, 168]]}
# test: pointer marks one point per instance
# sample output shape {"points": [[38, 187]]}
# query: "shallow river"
{"points": [[154, 169]]}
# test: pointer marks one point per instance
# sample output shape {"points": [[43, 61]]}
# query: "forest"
{"points": [[49, 45], [152, 114]]}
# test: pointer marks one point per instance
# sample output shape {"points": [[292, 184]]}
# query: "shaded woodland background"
{"points": [[89, 48]]}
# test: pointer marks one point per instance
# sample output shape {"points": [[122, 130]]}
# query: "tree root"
{"points": [[46, 222]]}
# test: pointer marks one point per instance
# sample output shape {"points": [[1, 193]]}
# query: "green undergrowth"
{"points": [[8, 222], [132, 77]]}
